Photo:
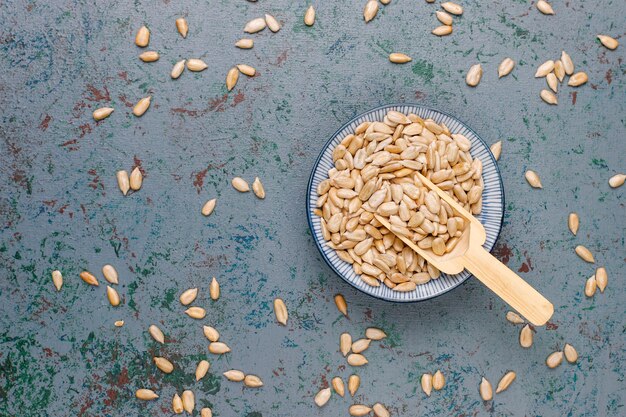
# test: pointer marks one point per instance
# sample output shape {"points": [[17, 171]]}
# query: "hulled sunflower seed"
{"points": [[399, 58], [196, 312], [156, 333], [182, 26], [552, 82], [427, 383], [231, 78], [443, 30], [533, 178], [246, 70], [370, 10], [356, 359], [380, 410], [573, 222], [252, 381], [559, 71], [146, 394], [110, 274], [201, 369], [354, 381], [163, 364], [113, 296], [474, 75], [142, 39], [206, 412], [570, 353], [136, 179], [57, 279], [585, 254], [214, 289], [309, 16], [496, 149], [526, 337], [102, 113], [514, 318], [617, 180], [255, 25], [359, 410], [89, 278], [240, 185], [211, 334], [545, 69], [444, 17], [505, 381], [453, 8], [257, 188], [486, 392], [608, 42], [338, 386], [545, 7], [345, 343], [149, 56], [548, 96], [272, 23], [189, 401], [505, 67], [244, 43], [208, 207], [439, 381], [361, 345], [602, 278], [123, 182], [142, 106], [234, 375], [119, 323], [177, 404], [322, 397], [196, 65], [590, 286], [218, 348], [554, 359], [341, 304], [385, 2], [577, 79], [188, 296], [280, 310], [178, 69], [568, 64], [375, 333]]}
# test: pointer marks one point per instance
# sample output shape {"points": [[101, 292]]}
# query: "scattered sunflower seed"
{"points": [[123, 182], [559, 70], [353, 384], [577, 79], [345, 343], [136, 179], [375, 333], [244, 43], [146, 394], [255, 25], [439, 381], [505, 67], [142, 106], [280, 310], [526, 337], [545, 7], [380, 410], [196, 312], [443, 30], [240, 185], [608, 42], [554, 359], [444, 17], [570, 353], [272, 23], [206, 412], [177, 404], [585, 254], [214, 289], [548, 96], [590, 286], [356, 359], [188, 296], [196, 65], [341, 304], [246, 70], [163, 364], [57, 279], [208, 207], [110, 274], [89, 278], [309, 16], [338, 386], [399, 58], [496, 149], [361, 345], [514, 318], [257, 188], [486, 392], [234, 375], [210, 333], [182, 26], [113, 296], [119, 323], [573, 222], [453, 8], [218, 348], [178, 69], [142, 39], [427, 383], [359, 410], [602, 278], [474, 75], [252, 381], [189, 401], [201, 369], [552, 81], [102, 113], [370, 10], [149, 56], [617, 180], [505, 381], [231, 78], [568, 64], [533, 178], [156, 334], [545, 69], [322, 397]]}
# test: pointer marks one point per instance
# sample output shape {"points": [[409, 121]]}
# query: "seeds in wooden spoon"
{"points": [[345, 343], [514, 318], [341, 304], [57, 279], [505, 381], [570, 353], [309, 16], [201, 369], [182, 26], [359, 410], [554, 359], [136, 179], [255, 25], [375, 333], [584, 253], [444, 17], [246, 70], [89, 278], [354, 381], [102, 113], [399, 58], [552, 82], [443, 30], [206, 412], [231, 78], [486, 392], [252, 381], [214, 289], [545, 7], [218, 348], [338, 386], [559, 71], [439, 381], [548, 96], [149, 56], [196, 312], [602, 278], [234, 375], [178, 69], [573, 222], [608, 42], [545, 69], [208, 207], [617, 180], [526, 337], [272, 23], [196, 65], [142, 39], [496, 149], [453, 8], [240, 185], [533, 178], [356, 359], [177, 404], [590, 286], [188, 296], [189, 401], [210, 333], [505, 67], [142, 106], [156, 333], [577, 79], [380, 410], [474, 75], [244, 43], [370, 10], [110, 274], [361, 345], [123, 182], [113, 296], [163, 364], [322, 397], [280, 310], [427, 383], [146, 394], [257, 188]]}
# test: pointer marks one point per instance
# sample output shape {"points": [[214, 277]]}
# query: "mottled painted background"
{"points": [[60, 207]]}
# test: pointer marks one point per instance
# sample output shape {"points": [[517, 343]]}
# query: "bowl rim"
{"points": [[316, 164]]}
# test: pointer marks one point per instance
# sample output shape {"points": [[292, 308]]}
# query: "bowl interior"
{"points": [[491, 216]]}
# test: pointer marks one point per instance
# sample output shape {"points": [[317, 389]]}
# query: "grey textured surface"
{"points": [[60, 207]]}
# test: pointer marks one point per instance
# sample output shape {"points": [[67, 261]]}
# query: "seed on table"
{"points": [[545, 7], [474, 75], [444, 17], [370, 10], [244, 43], [182, 26], [526, 337], [570, 353], [214, 289], [252, 381], [608, 41], [136, 179], [385, 2], [89, 278], [146, 394], [246, 70], [178, 69], [257, 188], [496, 149], [188, 296], [102, 113], [110, 274], [443, 30], [218, 348], [548, 97], [210, 333], [544, 69], [231, 78], [142, 106], [552, 81], [234, 375], [533, 178], [177, 404], [590, 286], [201, 369], [113, 296], [359, 410], [573, 222], [119, 323], [602, 278], [149, 56], [309, 16], [361, 345], [617, 180], [568, 64], [356, 359], [189, 401], [584, 253], [505, 67], [142, 39], [322, 397], [380, 410], [338, 386], [505, 381], [453, 8], [57, 279], [439, 381], [559, 70], [427, 383], [206, 412], [208, 207], [345, 343], [486, 392], [577, 79], [240, 185], [272, 23], [196, 312], [255, 25], [163, 364], [514, 318], [554, 359], [280, 310], [353, 384], [123, 182], [399, 58], [341, 304], [156, 333], [375, 333], [196, 65]]}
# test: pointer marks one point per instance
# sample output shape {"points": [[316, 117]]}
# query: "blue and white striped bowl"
{"points": [[491, 216]]}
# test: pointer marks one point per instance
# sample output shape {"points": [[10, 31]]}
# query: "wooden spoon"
{"points": [[469, 254]]}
